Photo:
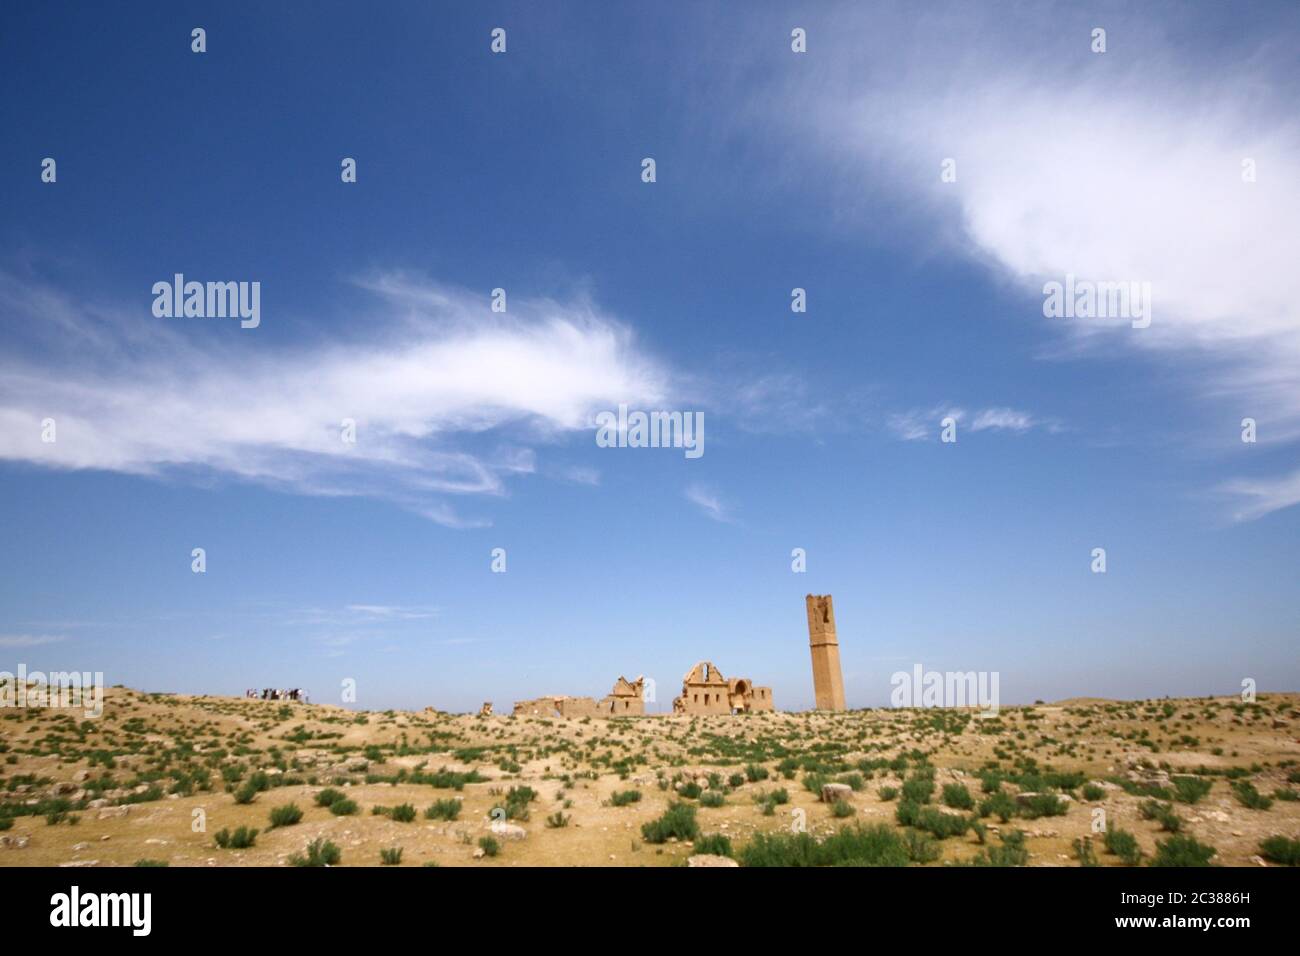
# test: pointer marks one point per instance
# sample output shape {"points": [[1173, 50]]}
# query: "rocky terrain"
{"points": [[184, 781]]}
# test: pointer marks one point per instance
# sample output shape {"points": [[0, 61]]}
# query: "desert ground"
{"points": [[168, 779]]}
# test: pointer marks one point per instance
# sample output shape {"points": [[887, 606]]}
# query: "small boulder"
{"points": [[832, 792], [508, 831]]}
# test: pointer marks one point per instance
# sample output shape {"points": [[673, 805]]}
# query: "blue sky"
{"points": [[775, 170]]}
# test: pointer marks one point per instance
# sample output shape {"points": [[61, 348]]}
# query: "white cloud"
{"points": [[1002, 419], [1257, 497], [392, 611], [28, 640], [709, 502], [1120, 166], [449, 399], [916, 424]]}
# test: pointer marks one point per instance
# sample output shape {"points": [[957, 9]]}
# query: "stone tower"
{"points": [[828, 681]]}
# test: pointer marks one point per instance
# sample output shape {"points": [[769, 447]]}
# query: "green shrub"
{"points": [[1012, 852], [1190, 789], [921, 847], [403, 813], [443, 810], [150, 863], [320, 852], [716, 844], [878, 845], [489, 846], [328, 796], [712, 799], [1000, 804], [240, 839], [1124, 845], [918, 789], [1164, 813], [1093, 792], [622, 798], [677, 821], [1043, 805], [1248, 796], [343, 808], [958, 797], [285, 816], [557, 820], [888, 793], [1280, 849], [516, 802], [755, 772], [931, 819], [841, 809], [691, 790], [1182, 851], [391, 857], [246, 793], [1083, 852]]}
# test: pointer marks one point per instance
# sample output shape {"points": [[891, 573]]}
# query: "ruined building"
{"points": [[828, 681], [706, 691], [625, 700]]}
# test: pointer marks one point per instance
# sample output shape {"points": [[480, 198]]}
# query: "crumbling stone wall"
{"points": [[625, 700], [705, 690]]}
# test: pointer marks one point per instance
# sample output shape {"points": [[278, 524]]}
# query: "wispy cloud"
{"points": [[449, 398], [28, 640], [917, 424], [393, 612], [1257, 497], [1002, 419], [1123, 166], [709, 502]]}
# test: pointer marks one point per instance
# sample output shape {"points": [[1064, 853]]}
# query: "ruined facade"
{"points": [[625, 700], [828, 681], [706, 691]]}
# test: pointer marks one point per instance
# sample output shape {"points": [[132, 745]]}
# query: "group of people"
{"points": [[277, 693]]}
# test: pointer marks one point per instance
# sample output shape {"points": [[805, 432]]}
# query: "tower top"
{"points": [[821, 619]]}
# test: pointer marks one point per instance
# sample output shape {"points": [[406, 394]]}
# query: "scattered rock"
{"points": [[508, 831], [709, 859], [831, 792]]}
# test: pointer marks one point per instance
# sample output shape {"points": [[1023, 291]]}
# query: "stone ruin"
{"points": [[706, 691], [625, 700], [824, 644]]}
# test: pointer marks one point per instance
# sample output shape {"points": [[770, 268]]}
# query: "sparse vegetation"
{"points": [[286, 815], [320, 852]]}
